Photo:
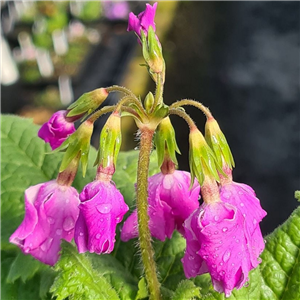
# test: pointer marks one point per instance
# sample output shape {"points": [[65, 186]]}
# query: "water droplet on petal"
{"points": [[227, 195], [98, 236], [254, 221], [180, 185], [68, 223], [237, 240], [241, 193], [46, 245], [259, 260], [221, 264], [81, 233], [216, 218], [216, 248], [50, 220], [246, 284], [222, 273], [244, 215], [242, 204], [104, 208], [214, 266], [265, 241], [216, 232], [204, 245], [26, 250], [233, 237], [58, 231], [101, 220], [226, 255], [191, 257], [232, 264], [215, 256], [205, 256], [224, 229]]}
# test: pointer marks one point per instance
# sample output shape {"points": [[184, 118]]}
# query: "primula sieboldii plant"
{"points": [[222, 232]]}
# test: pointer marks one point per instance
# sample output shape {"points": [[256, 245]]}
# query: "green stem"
{"points": [[102, 111], [158, 92], [183, 115], [121, 89], [199, 105], [143, 218], [133, 100]]}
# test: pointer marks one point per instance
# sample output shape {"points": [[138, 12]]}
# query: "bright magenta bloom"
{"points": [[51, 211], [170, 203], [217, 242], [102, 208], [143, 20], [57, 129]]}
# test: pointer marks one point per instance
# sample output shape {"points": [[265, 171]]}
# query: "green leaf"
{"points": [[278, 276], [77, 279], [143, 290], [24, 267], [186, 290]]}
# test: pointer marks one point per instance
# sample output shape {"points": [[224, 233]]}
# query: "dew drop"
{"points": [[259, 260], [50, 220], [220, 242], [104, 208], [180, 185], [46, 245], [241, 193], [204, 245], [232, 264], [227, 195], [233, 237], [191, 257], [216, 232], [205, 256], [101, 220], [265, 241], [221, 264], [215, 256], [107, 219], [244, 215], [254, 221], [214, 266], [68, 223], [242, 204], [98, 236], [226, 256], [26, 250], [58, 231], [246, 284], [237, 240], [224, 229], [81, 233], [193, 271], [222, 273], [216, 218], [216, 248]]}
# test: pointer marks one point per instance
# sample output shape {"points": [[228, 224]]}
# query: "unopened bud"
{"points": [[148, 103]]}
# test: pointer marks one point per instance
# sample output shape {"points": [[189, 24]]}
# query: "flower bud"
{"points": [[78, 144], [201, 157], [218, 143], [110, 143], [87, 103], [165, 142], [148, 103]]}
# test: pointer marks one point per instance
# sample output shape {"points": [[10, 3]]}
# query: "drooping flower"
{"points": [[170, 203], [102, 208], [57, 129], [51, 211], [218, 243], [243, 197], [143, 20]]}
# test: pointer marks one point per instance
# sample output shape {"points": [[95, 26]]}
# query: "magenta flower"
{"points": [[218, 243], [102, 208], [57, 129], [51, 211], [116, 10], [243, 197], [170, 203], [143, 20]]}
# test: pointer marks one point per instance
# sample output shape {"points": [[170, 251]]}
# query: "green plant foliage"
{"points": [[120, 274]]}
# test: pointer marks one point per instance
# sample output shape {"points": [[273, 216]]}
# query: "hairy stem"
{"points": [[100, 112], [143, 218], [121, 89], [183, 115], [158, 92], [199, 105]]}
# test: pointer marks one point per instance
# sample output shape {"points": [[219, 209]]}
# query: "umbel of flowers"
{"points": [[222, 234]]}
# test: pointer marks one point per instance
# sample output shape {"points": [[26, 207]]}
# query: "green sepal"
{"points": [[156, 60], [202, 159], [87, 103], [149, 101], [110, 142], [165, 142], [218, 143], [161, 111], [77, 144]]}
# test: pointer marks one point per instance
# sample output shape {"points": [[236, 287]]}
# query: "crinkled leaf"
{"points": [[143, 290], [186, 290], [77, 279]]}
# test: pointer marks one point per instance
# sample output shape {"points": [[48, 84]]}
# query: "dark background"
{"points": [[242, 60]]}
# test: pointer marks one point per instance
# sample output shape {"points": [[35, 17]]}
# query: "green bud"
{"points": [[148, 103], [165, 141], [110, 143], [202, 159], [77, 144], [218, 143], [87, 103]]}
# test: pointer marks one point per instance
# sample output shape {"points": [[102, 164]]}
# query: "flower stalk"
{"points": [[143, 218]]}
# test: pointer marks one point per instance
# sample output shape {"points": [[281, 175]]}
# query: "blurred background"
{"points": [[239, 58]]}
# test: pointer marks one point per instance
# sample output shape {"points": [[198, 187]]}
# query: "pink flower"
{"points": [[243, 197], [143, 20], [171, 201], [115, 10], [218, 243], [102, 208], [57, 129], [51, 211]]}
